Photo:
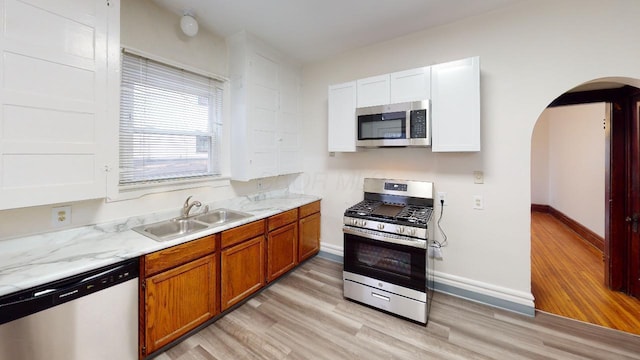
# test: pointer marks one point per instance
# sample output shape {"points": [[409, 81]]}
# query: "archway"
{"points": [[583, 295]]}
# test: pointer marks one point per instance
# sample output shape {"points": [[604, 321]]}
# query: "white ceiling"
{"points": [[313, 30]]}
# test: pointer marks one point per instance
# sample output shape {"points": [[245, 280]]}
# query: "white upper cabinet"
{"points": [[54, 94], [454, 91], [373, 91], [265, 92], [342, 115], [410, 85], [455, 106]]}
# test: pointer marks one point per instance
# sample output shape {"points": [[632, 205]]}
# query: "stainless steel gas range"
{"points": [[386, 238]]}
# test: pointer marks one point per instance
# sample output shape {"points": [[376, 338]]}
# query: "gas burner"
{"points": [[363, 208], [415, 214]]}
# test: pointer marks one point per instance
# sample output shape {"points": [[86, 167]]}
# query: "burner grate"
{"points": [[415, 214], [364, 207]]}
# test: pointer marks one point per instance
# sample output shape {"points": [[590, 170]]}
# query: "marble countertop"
{"points": [[30, 261]]}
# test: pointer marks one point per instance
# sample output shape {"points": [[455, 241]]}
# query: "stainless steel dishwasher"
{"points": [[93, 315]]}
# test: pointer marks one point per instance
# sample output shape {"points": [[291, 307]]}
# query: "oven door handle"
{"points": [[416, 243]]}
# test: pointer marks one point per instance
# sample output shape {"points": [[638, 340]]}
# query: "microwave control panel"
{"points": [[418, 123]]}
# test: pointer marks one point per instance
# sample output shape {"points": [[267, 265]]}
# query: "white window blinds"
{"points": [[170, 122]]}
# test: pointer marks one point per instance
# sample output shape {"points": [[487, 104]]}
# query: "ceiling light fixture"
{"points": [[189, 24]]}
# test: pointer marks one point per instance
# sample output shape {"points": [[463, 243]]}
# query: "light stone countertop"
{"points": [[30, 261]]}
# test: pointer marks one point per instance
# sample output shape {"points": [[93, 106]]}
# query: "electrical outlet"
{"points": [[61, 216], [435, 252], [478, 202], [442, 198]]}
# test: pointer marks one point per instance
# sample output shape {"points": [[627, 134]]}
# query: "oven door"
{"points": [[393, 262]]}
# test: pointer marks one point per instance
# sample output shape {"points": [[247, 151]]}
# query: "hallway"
{"points": [[567, 278]]}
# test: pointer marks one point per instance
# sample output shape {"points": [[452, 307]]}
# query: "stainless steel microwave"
{"points": [[401, 124]]}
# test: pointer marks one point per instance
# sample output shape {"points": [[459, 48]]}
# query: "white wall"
{"points": [[575, 163], [530, 53], [540, 161]]}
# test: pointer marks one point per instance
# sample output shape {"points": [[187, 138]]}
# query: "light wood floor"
{"points": [[304, 316], [567, 278]]}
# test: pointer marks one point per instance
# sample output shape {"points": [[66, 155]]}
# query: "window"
{"points": [[170, 123]]}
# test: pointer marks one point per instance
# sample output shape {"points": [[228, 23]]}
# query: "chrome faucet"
{"points": [[187, 207]]}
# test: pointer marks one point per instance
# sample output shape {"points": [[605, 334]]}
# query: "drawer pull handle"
{"points": [[378, 296]]}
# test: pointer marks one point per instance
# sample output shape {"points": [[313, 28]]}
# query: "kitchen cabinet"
{"points": [[265, 96], [373, 91], [452, 87], [410, 85], [56, 61], [178, 291], [343, 99], [282, 243], [309, 230], [342, 117], [401, 86], [455, 106], [242, 263]]}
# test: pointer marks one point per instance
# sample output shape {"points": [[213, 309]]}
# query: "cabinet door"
{"points": [[309, 239], [178, 300], [242, 271], [342, 117], [55, 131], [455, 105], [282, 250], [374, 91], [411, 85], [262, 104], [289, 159]]}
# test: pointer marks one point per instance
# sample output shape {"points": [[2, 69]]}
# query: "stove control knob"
{"points": [[380, 226], [364, 223], [400, 229], [412, 232]]}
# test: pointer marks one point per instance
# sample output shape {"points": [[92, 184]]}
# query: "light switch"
{"points": [[478, 177]]}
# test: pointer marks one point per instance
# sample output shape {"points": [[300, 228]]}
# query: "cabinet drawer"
{"points": [[179, 254], [241, 233], [306, 210], [282, 219]]}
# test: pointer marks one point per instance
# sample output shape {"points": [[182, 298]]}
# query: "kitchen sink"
{"points": [[221, 216], [180, 226]]}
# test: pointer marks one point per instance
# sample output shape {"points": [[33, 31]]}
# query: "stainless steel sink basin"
{"points": [[171, 229], [217, 217], [178, 227]]}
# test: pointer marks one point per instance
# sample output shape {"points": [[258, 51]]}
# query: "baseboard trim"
{"points": [[476, 291], [540, 208], [331, 256], [494, 296], [591, 237]]}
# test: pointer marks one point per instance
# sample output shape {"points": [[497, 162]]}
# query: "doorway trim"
{"points": [[617, 178]]}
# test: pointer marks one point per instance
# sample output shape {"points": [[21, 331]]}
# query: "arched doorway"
{"points": [[570, 288]]}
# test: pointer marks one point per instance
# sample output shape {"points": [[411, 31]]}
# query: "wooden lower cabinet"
{"points": [[309, 231], [282, 250], [186, 285], [242, 271], [178, 300]]}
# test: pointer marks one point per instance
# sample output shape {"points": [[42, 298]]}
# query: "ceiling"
{"points": [[313, 30]]}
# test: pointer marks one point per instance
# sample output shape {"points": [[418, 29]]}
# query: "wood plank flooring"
{"points": [[304, 316], [567, 278]]}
